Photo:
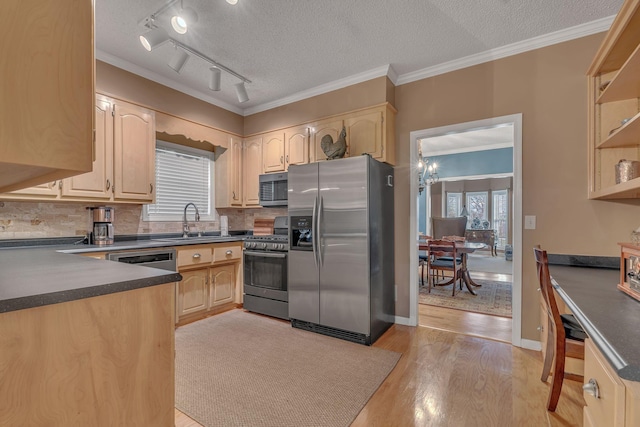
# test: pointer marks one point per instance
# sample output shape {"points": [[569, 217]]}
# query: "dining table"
{"points": [[464, 249]]}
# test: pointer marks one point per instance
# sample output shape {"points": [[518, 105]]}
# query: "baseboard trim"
{"points": [[531, 344], [406, 321]]}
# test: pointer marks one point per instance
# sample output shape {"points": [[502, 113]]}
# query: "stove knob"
{"points": [[263, 246], [280, 246], [251, 244]]}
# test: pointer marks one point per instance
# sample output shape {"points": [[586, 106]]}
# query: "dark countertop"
{"points": [[610, 317], [33, 276]]}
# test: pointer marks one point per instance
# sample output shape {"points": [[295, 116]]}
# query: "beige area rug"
{"points": [[492, 298], [484, 262], [243, 369]]}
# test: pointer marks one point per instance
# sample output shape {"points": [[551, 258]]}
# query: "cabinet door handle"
{"points": [[150, 188], [196, 256], [108, 184], [234, 195], [60, 184], [592, 388], [229, 252], [540, 329], [281, 159], [287, 158]]}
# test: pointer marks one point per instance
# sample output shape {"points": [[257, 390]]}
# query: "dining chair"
{"points": [[565, 336], [454, 226], [442, 256]]}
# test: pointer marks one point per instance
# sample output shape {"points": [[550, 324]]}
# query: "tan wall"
{"points": [[361, 95], [124, 85], [548, 86]]}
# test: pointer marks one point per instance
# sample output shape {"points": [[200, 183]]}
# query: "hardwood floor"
{"points": [[459, 369]]}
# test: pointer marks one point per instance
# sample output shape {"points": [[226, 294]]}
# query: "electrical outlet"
{"points": [[529, 222]]}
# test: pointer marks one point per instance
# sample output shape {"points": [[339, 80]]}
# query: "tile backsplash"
{"points": [[25, 220]]}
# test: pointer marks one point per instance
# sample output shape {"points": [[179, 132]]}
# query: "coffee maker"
{"points": [[102, 225]]}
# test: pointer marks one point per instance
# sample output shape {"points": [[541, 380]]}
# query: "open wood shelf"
{"points": [[624, 190], [627, 135], [625, 85]]}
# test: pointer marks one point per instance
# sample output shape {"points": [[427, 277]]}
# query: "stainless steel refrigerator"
{"points": [[341, 249]]}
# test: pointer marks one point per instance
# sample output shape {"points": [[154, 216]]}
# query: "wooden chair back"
{"points": [[558, 345], [442, 255]]}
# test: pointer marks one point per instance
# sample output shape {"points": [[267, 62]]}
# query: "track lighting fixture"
{"points": [[241, 91], [214, 78], [154, 38], [181, 21], [179, 60]]}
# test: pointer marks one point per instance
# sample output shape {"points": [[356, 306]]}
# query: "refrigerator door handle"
{"points": [[319, 232], [314, 232]]}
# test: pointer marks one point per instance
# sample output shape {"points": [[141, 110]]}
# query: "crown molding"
{"points": [[150, 75], [322, 89], [556, 37]]}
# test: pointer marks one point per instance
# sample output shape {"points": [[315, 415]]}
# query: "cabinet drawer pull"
{"points": [[196, 256], [108, 184], [229, 252], [592, 388]]}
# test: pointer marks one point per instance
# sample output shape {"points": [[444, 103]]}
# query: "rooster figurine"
{"points": [[334, 150]]}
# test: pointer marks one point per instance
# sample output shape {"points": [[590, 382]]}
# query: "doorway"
{"points": [[515, 123]]}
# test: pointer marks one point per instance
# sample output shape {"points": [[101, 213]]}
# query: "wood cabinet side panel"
{"points": [[46, 107], [101, 361]]}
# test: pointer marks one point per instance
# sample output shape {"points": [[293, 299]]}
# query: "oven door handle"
{"points": [[266, 254]]}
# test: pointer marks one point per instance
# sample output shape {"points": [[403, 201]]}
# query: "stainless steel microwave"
{"points": [[273, 189]]}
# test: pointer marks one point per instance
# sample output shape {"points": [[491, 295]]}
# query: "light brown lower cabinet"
{"points": [[100, 361], [610, 400], [211, 277]]}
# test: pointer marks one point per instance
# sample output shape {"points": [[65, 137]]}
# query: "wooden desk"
{"points": [[463, 248], [487, 237]]}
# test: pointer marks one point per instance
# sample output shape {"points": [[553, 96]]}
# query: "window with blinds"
{"points": [[183, 175]]}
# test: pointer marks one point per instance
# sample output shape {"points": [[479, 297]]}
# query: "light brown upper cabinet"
{"points": [[320, 129], [296, 145], [124, 164], [134, 146], [47, 87], [614, 106], [371, 131], [98, 183], [273, 151], [229, 176], [284, 148], [252, 168]]}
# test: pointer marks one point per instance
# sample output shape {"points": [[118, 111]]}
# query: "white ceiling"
{"points": [[293, 49], [491, 138]]}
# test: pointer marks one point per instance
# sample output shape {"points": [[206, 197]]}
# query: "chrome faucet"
{"points": [[185, 224]]}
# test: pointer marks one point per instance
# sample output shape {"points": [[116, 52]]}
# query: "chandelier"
{"points": [[427, 173]]}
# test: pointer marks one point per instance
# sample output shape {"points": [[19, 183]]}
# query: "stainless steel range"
{"points": [[265, 271]]}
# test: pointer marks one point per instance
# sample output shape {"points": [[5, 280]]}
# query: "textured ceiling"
{"points": [[287, 47]]}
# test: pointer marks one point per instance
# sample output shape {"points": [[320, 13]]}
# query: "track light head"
{"points": [[179, 60], [153, 38], [241, 91], [232, 1], [182, 20], [214, 79]]}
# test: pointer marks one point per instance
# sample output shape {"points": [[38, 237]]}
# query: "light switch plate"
{"points": [[529, 222]]}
